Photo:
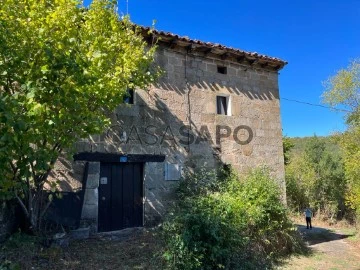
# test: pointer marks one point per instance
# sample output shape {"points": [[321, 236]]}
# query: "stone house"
{"points": [[213, 105]]}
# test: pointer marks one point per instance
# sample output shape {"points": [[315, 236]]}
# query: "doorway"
{"points": [[120, 196]]}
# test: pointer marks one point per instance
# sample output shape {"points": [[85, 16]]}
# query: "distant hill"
{"points": [[331, 143]]}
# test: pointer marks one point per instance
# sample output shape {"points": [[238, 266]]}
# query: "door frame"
{"points": [[142, 191], [89, 212]]}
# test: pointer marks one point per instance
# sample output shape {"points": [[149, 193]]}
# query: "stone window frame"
{"points": [[129, 97], [228, 104]]}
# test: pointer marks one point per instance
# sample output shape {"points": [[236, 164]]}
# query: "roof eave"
{"points": [[207, 48]]}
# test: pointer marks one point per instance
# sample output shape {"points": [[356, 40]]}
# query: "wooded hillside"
{"points": [[315, 176]]}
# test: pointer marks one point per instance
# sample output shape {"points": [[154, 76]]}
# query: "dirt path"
{"points": [[329, 249]]}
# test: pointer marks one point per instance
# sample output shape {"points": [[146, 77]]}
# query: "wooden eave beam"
{"points": [[207, 51], [191, 47], [149, 38], [240, 58], [217, 51], [173, 43], [116, 158], [224, 56], [252, 61], [264, 64]]}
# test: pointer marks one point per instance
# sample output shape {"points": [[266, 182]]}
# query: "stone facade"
{"points": [[177, 117]]}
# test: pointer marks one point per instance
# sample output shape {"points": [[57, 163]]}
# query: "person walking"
{"points": [[308, 216]]}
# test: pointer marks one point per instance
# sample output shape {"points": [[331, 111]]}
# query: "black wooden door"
{"points": [[120, 196]]}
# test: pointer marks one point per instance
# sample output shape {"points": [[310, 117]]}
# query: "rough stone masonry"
{"points": [[213, 105]]}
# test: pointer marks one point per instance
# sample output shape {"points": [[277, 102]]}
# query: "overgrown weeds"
{"points": [[222, 221], [19, 247], [139, 251]]}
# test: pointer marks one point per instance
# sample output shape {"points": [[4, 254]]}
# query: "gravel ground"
{"points": [[329, 249]]}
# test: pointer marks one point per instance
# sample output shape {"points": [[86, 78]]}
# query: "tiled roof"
{"points": [[224, 52]]}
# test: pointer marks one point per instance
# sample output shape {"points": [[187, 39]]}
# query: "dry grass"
{"points": [[321, 221], [332, 246], [141, 251]]}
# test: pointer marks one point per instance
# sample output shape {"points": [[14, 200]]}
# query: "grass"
{"points": [[330, 248], [140, 251], [143, 251]]}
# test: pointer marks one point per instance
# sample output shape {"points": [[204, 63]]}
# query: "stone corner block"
{"points": [[91, 197], [92, 181], [94, 167], [89, 211]]}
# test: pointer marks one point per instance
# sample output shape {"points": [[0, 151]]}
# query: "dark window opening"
{"points": [[222, 70], [222, 105], [129, 96]]}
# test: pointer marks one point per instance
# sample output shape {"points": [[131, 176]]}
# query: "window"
{"points": [[221, 70], [172, 172], [129, 96], [223, 105]]}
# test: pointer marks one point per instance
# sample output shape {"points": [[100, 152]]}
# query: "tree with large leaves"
{"points": [[63, 68]]}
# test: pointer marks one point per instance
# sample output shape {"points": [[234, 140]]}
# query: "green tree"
{"points": [[314, 149], [63, 68], [344, 89], [316, 177], [300, 181], [287, 146]]}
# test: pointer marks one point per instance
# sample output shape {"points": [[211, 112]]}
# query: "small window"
{"points": [[129, 96], [223, 105], [172, 172], [222, 70]]}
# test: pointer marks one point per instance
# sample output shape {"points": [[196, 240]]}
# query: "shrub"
{"points": [[227, 222]]}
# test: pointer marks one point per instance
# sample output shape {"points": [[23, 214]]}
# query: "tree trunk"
{"points": [[34, 212]]}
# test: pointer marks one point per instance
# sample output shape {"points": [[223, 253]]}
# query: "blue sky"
{"points": [[316, 37]]}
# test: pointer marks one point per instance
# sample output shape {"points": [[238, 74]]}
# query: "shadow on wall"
{"points": [[177, 118], [150, 127], [163, 124], [215, 87], [156, 129], [184, 71], [69, 173]]}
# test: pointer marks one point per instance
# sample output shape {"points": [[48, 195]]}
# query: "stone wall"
{"points": [[177, 117]]}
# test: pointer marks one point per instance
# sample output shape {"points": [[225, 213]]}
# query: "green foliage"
{"points": [[344, 89], [239, 224], [19, 245], [314, 150], [287, 146], [316, 177], [351, 146], [9, 265], [63, 69], [300, 143], [204, 182], [22, 240]]}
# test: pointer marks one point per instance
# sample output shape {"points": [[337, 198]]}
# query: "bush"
{"points": [[223, 222]]}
